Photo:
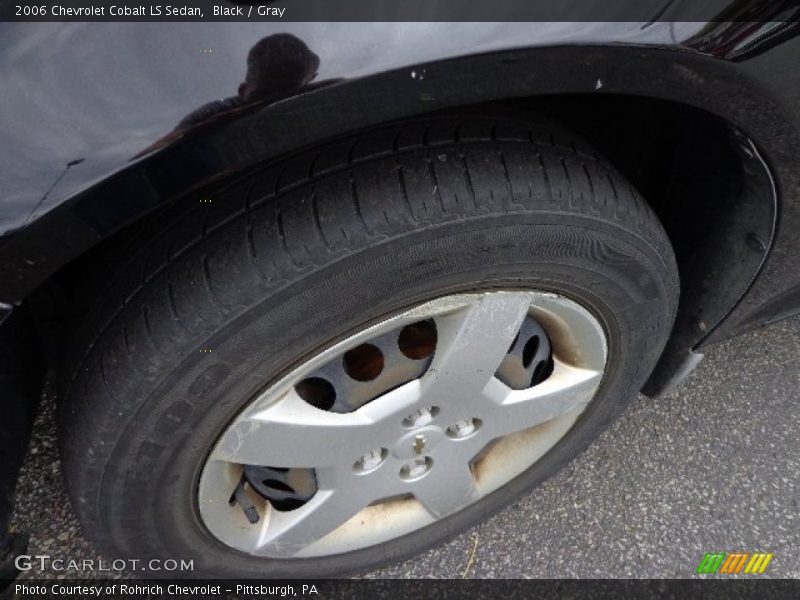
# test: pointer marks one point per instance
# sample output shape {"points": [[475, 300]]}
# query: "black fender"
{"points": [[94, 196]]}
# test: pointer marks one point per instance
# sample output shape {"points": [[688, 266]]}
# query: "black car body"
{"points": [[104, 124]]}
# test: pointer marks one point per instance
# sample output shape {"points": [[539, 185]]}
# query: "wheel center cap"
{"points": [[418, 442]]}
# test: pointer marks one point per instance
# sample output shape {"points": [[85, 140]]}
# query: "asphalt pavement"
{"points": [[714, 466]]}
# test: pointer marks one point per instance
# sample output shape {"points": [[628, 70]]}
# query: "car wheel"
{"points": [[359, 351]]}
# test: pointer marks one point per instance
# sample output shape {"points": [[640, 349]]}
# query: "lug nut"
{"points": [[370, 461], [421, 417], [464, 428], [416, 468]]}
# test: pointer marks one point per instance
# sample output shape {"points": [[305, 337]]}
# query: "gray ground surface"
{"points": [[712, 467]]}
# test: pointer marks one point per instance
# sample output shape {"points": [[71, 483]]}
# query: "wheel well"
{"points": [[701, 176], [712, 191]]}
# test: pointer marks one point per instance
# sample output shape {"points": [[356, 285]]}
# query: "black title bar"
{"points": [[712, 588], [644, 11]]}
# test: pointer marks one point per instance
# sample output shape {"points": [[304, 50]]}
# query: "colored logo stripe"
{"points": [[711, 562], [758, 564], [732, 563]]}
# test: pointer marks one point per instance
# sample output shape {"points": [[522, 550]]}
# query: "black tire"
{"points": [[301, 253]]}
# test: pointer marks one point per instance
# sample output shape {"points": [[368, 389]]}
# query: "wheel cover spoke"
{"points": [[287, 533], [269, 436], [566, 389], [451, 490], [472, 343]]}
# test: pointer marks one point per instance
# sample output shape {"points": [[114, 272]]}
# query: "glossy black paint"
{"points": [[92, 141]]}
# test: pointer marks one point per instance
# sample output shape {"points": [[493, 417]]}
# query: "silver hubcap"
{"points": [[396, 437]]}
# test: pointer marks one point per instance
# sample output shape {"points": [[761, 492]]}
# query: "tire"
{"points": [[205, 305]]}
